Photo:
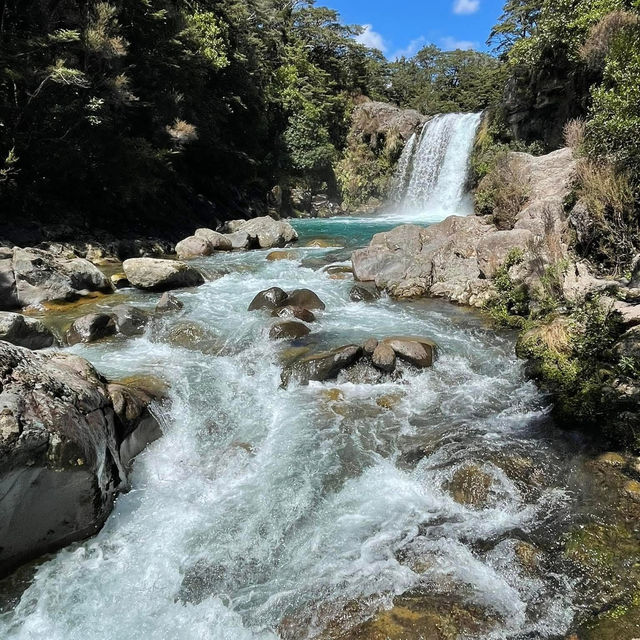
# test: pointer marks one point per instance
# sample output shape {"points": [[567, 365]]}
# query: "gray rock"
{"points": [[420, 352], [60, 466], [360, 293], [217, 241], [629, 346], [306, 299], [268, 232], [193, 247], [34, 276], [91, 327], [323, 366], [153, 274], [270, 299], [25, 332], [288, 330], [169, 302], [130, 321], [384, 358], [240, 240]]}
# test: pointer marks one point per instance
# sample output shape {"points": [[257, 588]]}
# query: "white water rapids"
{"points": [[263, 510]]}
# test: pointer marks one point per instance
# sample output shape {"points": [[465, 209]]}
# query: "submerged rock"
{"points": [[169, 302], [471, 486], [153, 274], [60, 464], [25, 332], [322, 366], [32, 276], [276, 256], [90, 328]]}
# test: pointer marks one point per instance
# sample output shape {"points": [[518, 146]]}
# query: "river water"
{"points": [[267, 513]]}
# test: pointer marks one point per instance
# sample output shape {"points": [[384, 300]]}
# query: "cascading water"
{"points": [[431, 178]]}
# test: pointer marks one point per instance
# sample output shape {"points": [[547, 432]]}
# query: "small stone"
{"points": [[217, 241], [419, 352], [194, 247]]}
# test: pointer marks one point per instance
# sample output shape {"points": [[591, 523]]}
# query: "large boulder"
{"points": [[90, 328], [459, 257], [153, 274], [306, 299], [33, 276], [25, 332], [321, 367], [269, 299], [60, 463], [217, 241], [268, 232], [240, 240], [193, 247], [420, 352]]}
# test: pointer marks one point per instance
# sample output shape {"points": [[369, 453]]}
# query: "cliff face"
{"points": [[378, 134]]}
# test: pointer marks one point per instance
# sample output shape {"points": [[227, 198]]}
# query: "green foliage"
{"points": [[511, 306]]}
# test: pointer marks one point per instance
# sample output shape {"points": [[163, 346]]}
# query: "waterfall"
{"points": [[432, 172]]}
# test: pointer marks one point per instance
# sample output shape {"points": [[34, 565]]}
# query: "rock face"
{"points": [[153, 274], [25, 332], [60, 460], [268, 233], [33, 276], [458, 257], [373, 121]]}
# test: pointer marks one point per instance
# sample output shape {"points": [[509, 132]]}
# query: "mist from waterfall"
{"points": [[431, 178]]}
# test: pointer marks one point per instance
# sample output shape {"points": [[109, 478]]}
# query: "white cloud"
{"points": [[372, 39], [450, 44], [411, 49], [466, 7]]}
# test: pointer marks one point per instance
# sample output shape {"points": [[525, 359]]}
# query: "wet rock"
{"points": [[390, 401], [276, 256], [384, 358], [25, 332], [294, 312], [217, 241], [360, 293], [90, 328], [321, 243], [527, 554], [269, 233], [288, 331], [152, 274], [119, 281], [470, 486], [194, 247], [420, 352], [130, 321], [306, 299], [362, 372], [169, 302], [322, 366], [33, 276], [370, 346], [270, 299], [192, 336], [60, 467]]}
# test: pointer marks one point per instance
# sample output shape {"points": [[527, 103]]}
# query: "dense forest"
{"points": [[142, 115]]}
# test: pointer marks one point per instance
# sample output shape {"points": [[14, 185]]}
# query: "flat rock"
{"points": [[153, 274], [25, 332]]}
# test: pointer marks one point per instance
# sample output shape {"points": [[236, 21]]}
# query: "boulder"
{"points": [[289, 312], [240, 240], [60, 464], [306, 299], [169, 302], [130, 321], [25, 332], [629, 346], [268, 232], [269, 299], [90, 328], [289, 330], [33, 276], [321, 367], [193, 247], [370, 346], [218, 241], [420, 352], [153, 274], [384, 358], [360, 293]]}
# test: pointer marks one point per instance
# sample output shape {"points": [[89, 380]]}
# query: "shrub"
{"points": [[574, 134], [503, 191], [596, 47]]}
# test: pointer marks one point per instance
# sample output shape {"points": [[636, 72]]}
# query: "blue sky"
{"points": [[401, 27]]}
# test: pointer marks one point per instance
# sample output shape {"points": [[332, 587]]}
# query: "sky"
{"points": [[402, 27]]}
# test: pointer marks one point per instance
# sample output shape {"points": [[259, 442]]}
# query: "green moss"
{"points": [[511, 306]]}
